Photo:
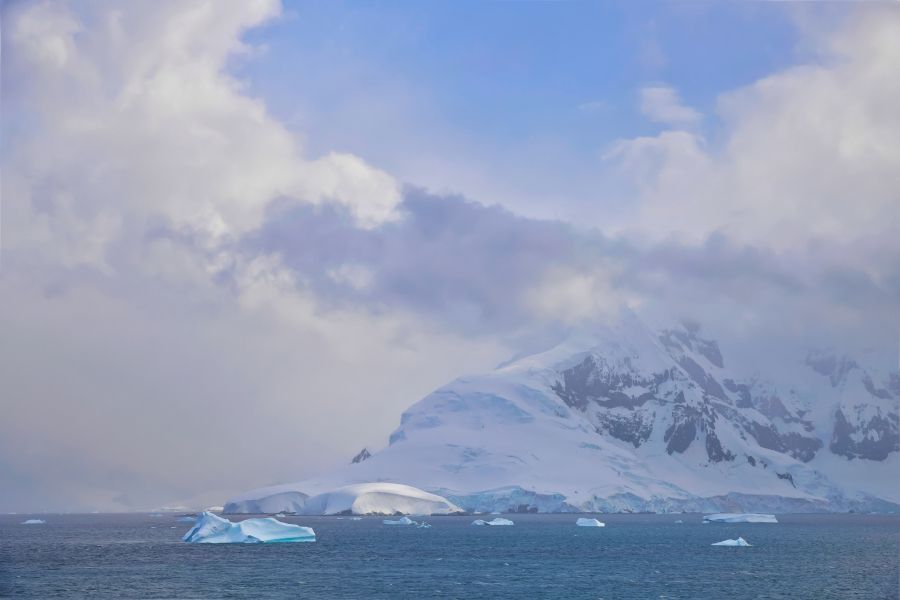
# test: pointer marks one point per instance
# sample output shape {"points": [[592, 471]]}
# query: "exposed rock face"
{"points": [[694, 395], [363, 455]]}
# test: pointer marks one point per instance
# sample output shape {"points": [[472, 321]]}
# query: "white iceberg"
{"points": [[212, 529], [356, 518], [679, 521], [186, 519], [739, 518], [33, 522], [497, 521], [400, 521], [584, 522], [738, 542]]}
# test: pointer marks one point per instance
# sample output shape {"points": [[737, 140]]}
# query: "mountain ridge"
{"points": [[623, 418]]}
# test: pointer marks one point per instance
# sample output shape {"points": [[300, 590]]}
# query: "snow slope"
{"points": [[623, 418]]}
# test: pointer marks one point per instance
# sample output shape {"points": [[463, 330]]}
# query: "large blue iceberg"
{"points": [[212, 529]]}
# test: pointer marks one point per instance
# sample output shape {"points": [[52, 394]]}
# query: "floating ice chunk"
{"points": [[400, 521], [497, 521], [212, 529], [583, 522], [186, 519], [739, 518], [33, 522], [679, 521], [424, 524], [738, 542], [356, 518]]}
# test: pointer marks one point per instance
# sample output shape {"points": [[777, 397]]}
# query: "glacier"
{"points": [[738, 542], [585, 522], [739, 518], [623, 417], [359, 499], [212, 529]]}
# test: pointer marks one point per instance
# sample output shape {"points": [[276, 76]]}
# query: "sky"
{"points": [[239, 238]]}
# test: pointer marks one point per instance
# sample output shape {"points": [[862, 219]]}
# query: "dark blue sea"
{"points": [[542, 556]]}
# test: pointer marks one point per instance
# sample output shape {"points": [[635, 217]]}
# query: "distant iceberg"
{"points": [[34, 522], [212, 529], [679, 521], [583, 522], [738, 542], [739, 518], [497, 521], [400, 521], [186, 519]]}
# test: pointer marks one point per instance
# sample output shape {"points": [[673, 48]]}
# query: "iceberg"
{"points": [[400, 521], [679, 521], [583, 522], [33, 522], [739, 518], [186, 519], [738, 542], [212, 529], [497, 521]]}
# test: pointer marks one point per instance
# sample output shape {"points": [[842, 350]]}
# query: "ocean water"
{"points": [[542, 556]]}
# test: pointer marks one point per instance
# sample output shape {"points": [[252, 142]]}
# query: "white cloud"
{"points": [[809, 153], [571, 296], [136, 115], [662, 105]]}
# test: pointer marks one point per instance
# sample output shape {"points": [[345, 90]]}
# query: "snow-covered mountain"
{"points": [[623, 418]]}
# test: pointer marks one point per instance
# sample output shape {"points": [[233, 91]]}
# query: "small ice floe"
{"points": [[423, 524], [356, 518], [280, 515], [584, 522], [679, 522], [739, 518], [213, 529], [494, 522], [186, 519], [738, 542], [33, 522], [400, 521]]}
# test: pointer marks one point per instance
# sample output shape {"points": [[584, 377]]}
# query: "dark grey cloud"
{"points": [[471, 267]]}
